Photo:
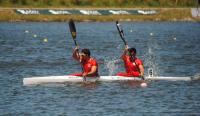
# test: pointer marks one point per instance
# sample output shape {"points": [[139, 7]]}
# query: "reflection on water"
{"points": [[89, 85]]}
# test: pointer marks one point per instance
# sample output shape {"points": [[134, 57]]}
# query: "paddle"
{"points": [[121, 33], [73, 33], [73, 30]]}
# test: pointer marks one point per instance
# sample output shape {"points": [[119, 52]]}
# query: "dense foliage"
{"points": [[99, 3]]}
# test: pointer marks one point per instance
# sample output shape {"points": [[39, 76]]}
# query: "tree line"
{"points": [[100, 3]]}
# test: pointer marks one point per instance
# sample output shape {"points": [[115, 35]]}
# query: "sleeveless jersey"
{"points": [[132, 67], [87, 66]]}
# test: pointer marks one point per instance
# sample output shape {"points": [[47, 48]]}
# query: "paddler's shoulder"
{"points": [[92, 59]]}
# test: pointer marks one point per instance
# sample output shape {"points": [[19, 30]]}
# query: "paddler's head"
{"points": [[85, 54], [132, 53]]}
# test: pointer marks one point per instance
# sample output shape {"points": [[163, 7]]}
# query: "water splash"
{"points": [[150, 62], [196, 76], [111, 66], [150, 56], [119, 47]]}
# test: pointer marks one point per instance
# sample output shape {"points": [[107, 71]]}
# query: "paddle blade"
{"points": [[72, 28], [121, 33]]}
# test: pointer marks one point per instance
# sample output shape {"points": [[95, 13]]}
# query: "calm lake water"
{"points": [[41, 49]]}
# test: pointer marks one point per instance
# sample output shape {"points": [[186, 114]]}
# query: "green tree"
{"points": [[14, 1], [48, 2], [24, 2], [77, 2], [62, 2]]}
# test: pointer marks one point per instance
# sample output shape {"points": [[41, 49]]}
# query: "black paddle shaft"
{"points": [[73, 30], [121, 32]]}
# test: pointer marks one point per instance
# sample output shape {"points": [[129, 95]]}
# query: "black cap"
{"points": [[132, 50], [85, 51]]}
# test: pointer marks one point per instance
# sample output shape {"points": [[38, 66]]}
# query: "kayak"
{"points": [[172, 78], [69, 78]]}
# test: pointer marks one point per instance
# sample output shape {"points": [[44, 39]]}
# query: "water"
{"points": [[170, 48]]}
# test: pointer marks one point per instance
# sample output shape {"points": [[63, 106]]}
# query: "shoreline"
{"points": [[165, 14]]}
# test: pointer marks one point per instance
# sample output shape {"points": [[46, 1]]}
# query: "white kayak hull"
{"points": [[171, 78], [67, 78]]}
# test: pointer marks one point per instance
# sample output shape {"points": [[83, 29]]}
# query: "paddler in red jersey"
{"points": [[89, 64], [133, 65]]}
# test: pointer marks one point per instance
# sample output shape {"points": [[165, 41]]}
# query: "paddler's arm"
{"points": [[93, 71], [141, 68], [125, 52], [75, 54]]}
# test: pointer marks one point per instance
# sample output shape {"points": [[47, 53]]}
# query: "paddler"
{"points": [[133, 65], [89, 64]]}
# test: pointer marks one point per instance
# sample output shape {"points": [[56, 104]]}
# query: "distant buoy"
{"points": [[131, 30], [143, 84], [45, 40], [34, 35], [174, 38], [151, 34]]}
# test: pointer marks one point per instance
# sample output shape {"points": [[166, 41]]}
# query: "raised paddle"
{"points": [[72, 28], [121, 33]]}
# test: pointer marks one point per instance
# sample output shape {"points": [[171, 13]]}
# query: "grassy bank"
{"points": [[166, 14]]}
